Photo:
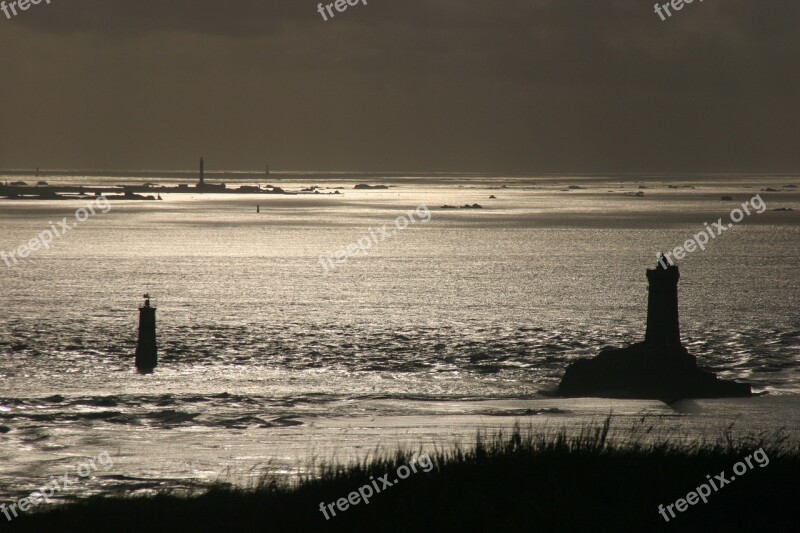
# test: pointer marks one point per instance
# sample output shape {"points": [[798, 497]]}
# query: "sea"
{"points": [[453, 321]]}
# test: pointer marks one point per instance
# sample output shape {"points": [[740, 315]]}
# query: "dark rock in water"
{"points": [[4, 429], [646, 372], [493, 197], [727, 199], [48, 194], [54, 399], [660, 367], [367, 186], [283, 421], [783, 209]]}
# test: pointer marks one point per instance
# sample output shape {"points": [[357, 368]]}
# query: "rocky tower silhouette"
{"points": [[146, 350], [663, 328], [658, 368]]}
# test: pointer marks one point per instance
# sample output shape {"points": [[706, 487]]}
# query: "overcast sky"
{"points": [[402, 85]]}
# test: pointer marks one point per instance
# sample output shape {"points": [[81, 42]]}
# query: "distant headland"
{"points": [[43, 191]]}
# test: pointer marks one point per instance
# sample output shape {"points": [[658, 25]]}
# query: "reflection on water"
{"points": [[476, 305]]}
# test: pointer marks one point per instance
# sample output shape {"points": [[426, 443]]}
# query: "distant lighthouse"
{"points": [[146, 350], [201, 182]]}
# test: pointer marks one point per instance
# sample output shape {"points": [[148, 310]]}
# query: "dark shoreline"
{"points": [[512, 482]]}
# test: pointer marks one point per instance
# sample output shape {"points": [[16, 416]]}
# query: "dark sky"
{"points": [[594, 86]]}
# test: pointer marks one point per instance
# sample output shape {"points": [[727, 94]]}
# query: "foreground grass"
{"points": [[507, 482]]}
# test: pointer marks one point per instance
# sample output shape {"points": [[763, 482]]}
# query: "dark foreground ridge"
{"points": [[659, 368], [513, 482]]}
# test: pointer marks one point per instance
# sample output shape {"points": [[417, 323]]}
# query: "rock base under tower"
{"points": [[645, 371]]}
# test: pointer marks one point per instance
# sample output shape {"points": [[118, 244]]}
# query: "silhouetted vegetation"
{"points": [[517, 481]]}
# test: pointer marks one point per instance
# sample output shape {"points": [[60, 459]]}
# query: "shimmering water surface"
{"points": [[449, 325]]}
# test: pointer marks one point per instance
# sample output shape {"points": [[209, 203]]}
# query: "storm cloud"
{"points": [[420, 85]]}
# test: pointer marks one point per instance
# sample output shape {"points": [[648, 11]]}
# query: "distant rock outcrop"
{"points": [[367, 186], [465, 206], [658, 368]]}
